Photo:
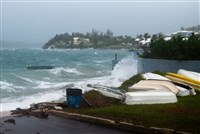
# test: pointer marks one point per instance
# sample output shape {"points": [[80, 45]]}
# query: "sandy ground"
{"points": [[52, 125], [5, 113]]}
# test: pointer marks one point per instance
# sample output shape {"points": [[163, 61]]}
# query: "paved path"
{"points": [[53, 125]]}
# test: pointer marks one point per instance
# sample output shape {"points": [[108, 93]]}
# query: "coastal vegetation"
{"points": [[157, 46], [177, 48]]}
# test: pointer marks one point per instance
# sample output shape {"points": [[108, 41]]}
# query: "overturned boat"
{"points": [[39, 66]]}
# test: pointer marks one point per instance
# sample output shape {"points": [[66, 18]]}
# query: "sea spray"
{"points": [[125, 69]]}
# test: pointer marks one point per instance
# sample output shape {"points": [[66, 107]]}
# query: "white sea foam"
{"points": [[25, 101], [95, 53], [26, 79], [122, 71], [101, 61], [49, 85], [9, 87], [62, 71], [102, 73], [125, 69]]}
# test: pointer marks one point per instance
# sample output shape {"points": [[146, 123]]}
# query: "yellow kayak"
{"points": [[184, 78], [195, 86]]}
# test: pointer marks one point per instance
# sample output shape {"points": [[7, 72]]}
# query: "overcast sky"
{"points": [[37, 22]]}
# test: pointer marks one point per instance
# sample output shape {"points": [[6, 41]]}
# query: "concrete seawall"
{"points": [[138, 129], [149, 65]]}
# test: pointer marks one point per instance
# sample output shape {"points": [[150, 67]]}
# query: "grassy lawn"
{"points": [[183, 115]]}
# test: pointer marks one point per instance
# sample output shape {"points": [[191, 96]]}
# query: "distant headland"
{"points": [[107, 40]]}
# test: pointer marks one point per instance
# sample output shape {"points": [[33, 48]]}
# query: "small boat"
{"points": [[185, 80], [151, 92], [184, 89], [108, 91], [150, 97], [39, 67], [189, 74]]}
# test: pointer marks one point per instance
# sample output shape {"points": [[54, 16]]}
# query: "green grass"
{"points": [[183, 115], [131, 81]]}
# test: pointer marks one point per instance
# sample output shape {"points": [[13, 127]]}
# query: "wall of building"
{"points": [[149, 65]]}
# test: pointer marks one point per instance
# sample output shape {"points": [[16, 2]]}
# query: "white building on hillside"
{"points": [[78, 41]]}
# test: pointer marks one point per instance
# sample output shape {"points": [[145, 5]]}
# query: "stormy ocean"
{"points": [[21, 87]]}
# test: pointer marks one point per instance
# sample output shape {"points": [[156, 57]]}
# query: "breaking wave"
{"points": [[9, 87], [64, 71], [25, 101]]}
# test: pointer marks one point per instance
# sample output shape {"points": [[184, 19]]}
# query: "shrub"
{"points": [[178, 48]]}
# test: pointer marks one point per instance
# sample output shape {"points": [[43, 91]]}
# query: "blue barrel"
{"points": [[73, 97]]}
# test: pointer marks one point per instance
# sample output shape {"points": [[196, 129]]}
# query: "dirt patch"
{"points": [[98, 100]]}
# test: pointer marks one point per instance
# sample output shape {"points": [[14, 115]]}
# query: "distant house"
{"points": [[145, 42], [137, 40], [76, 41], [184, 34], [79, 40], [142, 42], [167, 38]]}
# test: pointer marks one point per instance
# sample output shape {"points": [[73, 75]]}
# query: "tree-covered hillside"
{"points": [[94, 39]]}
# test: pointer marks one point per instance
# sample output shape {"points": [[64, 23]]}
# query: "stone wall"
{"points": [[135, 129], [149, 65]]}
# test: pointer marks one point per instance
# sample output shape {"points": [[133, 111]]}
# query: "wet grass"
{"points": [[131, 81], [183, 115]]}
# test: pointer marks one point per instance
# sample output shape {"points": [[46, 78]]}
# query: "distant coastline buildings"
{"points": [[144, 42], [106, 40], [79, 40]]}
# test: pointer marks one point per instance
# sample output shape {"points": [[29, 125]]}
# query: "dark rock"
{"points": [[39, 110], [1, 125], [12, 121], [41, 114]]}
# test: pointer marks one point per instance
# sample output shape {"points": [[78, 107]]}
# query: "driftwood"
{"points": [[39, 110]]}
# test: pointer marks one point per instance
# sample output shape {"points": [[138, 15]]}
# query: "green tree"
{"points": [[178, 48]]}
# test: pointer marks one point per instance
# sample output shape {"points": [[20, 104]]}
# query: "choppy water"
{"points": [[73, 68]]}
